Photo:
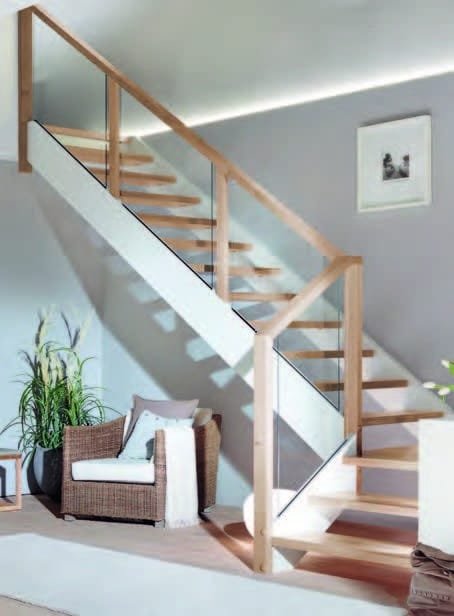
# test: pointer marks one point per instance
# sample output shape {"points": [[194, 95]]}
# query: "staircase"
{"points": [[298, 326]]}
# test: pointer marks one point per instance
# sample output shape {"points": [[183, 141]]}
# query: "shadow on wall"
{"points": [[148, 349]]}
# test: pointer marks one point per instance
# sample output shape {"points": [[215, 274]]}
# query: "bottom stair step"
{"points": [[352, 548], [370, 503]]}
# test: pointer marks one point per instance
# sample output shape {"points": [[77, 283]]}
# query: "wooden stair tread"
{"points": [[373, 384], [305, 324], [202, 245], [255, 296], [371, 503], [394, 458], [391, 417], [157, 199], [237, 270], [80, 132], [177, 222], [134, 178], [100, 156], [350, 547], [319, 354], [315, 325]]}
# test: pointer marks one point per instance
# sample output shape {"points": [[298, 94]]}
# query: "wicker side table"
{"points": [[12, 454]]}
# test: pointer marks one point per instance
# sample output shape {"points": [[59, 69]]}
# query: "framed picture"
{"points": [[394, 164]]}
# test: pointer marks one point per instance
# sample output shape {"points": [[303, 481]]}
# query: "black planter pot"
{"points": [[48, 469]]}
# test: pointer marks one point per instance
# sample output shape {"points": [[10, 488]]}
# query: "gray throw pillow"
{"points": [[171, 409], [140, 445]]}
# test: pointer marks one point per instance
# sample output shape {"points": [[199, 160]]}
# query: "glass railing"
{"points": [[278, 265], [69, 99], [313, 343]]}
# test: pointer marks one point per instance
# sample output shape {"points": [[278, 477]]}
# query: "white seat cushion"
{"points": [[114, 469]]}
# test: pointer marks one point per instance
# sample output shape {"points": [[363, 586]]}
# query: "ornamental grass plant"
{"points": [[54, 393]]}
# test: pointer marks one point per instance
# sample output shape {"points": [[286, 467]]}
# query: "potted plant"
{"points": [[54, 396]]}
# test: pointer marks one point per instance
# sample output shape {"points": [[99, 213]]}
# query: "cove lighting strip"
{"points": [[300, 99]]}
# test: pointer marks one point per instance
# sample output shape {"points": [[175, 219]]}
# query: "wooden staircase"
{"points": [[136, 192], [152, 194]]}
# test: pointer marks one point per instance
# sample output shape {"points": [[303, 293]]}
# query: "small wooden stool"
{"points": [[12, 454]]}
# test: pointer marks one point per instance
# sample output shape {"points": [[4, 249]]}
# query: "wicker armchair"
{"points": [[132, 500]]}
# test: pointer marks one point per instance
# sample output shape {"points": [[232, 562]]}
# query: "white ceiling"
{"points": [[208, 59], [11, 6]]}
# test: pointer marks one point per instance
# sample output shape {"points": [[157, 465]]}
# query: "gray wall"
{"points": [[306, 155], [36, 271]]}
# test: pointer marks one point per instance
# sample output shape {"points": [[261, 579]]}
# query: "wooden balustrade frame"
{"points": [[264, 359]]}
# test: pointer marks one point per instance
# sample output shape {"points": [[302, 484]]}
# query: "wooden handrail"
{"points": [[288, 216], [275, 326]]}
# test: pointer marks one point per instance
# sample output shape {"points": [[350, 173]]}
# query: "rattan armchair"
{"points": [[132, 500]]}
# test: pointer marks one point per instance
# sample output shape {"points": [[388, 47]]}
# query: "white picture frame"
{"points": [[394, 164]]}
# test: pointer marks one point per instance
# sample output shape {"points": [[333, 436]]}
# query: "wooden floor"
{"points": [[222, 543]]}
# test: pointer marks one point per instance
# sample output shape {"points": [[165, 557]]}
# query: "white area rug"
{"points": [[88, 581]]}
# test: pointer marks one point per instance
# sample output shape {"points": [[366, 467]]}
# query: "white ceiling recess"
{"points": [[211, 59]]}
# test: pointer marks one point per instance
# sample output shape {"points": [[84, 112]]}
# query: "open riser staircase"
{"points": [[206, 256]]}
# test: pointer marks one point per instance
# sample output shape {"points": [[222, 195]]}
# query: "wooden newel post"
{"points": [[263, 453], [221, 265], [113, 105], [353, 333], [25, 85]]}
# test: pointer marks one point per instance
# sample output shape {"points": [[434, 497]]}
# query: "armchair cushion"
{"points": [[200, 418], [113, 469], [140, 443], [176, 409]]}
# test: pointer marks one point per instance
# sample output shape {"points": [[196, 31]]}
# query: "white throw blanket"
{"points": [[181, 490]]}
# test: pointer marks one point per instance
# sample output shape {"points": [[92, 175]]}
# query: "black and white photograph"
{"points": [[395, 167], [394, 164]]}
